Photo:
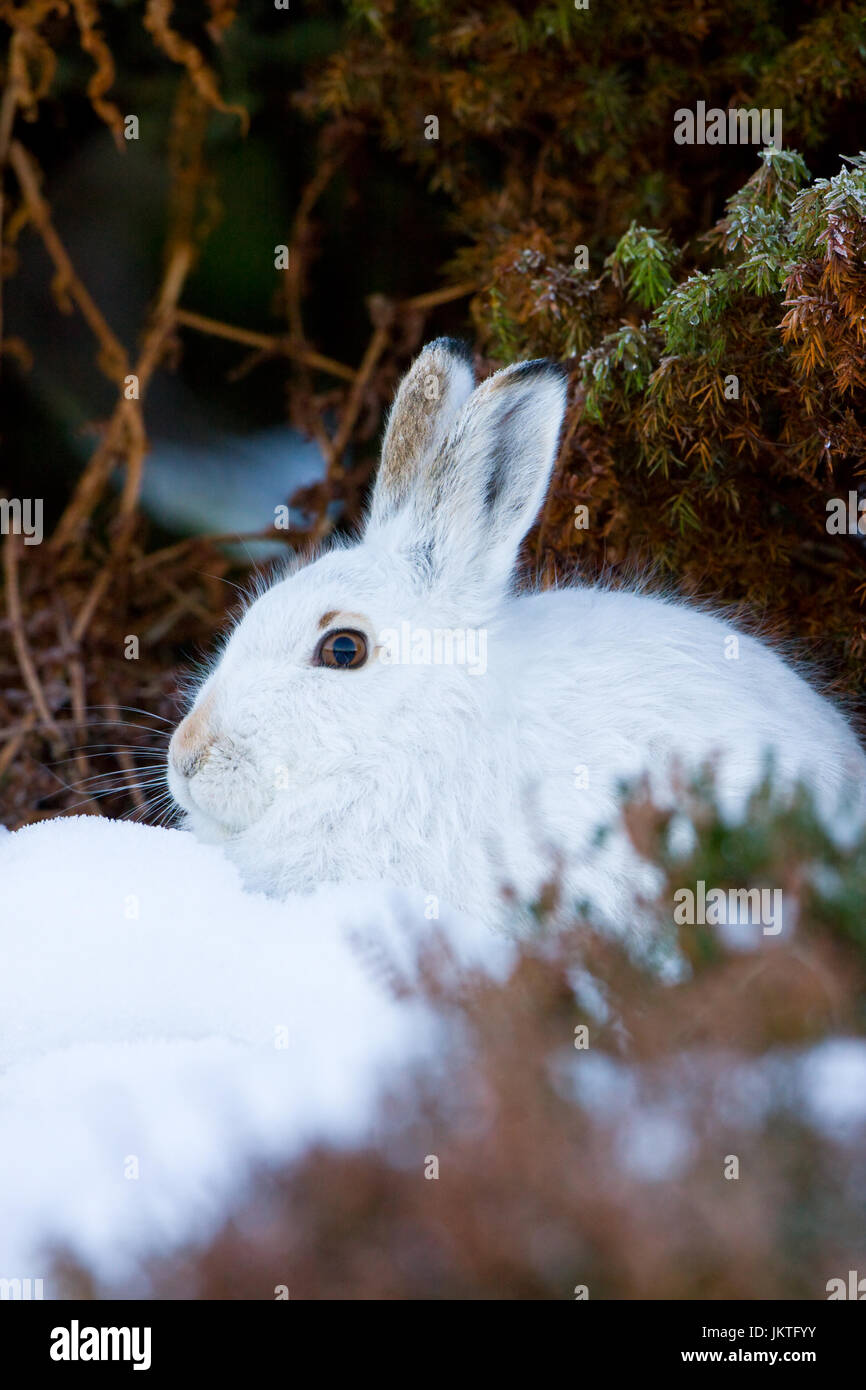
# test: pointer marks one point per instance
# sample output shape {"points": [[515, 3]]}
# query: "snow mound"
{"points": [[162, 1031]]}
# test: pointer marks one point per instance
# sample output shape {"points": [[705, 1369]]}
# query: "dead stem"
{"points": [[434, 298], [269, 343], [113, 357], [126, 762], [376, 346], [19, 638], [125, 436], [173, 552], [16, 738], [78, 693]]}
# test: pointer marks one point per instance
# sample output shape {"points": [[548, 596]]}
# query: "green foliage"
{"points": [[780, 839], [645, 257], [623, 361]]}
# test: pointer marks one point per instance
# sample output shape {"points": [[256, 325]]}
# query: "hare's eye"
{"points": [[341, 649]]}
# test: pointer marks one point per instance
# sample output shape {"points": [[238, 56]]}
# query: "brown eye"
{"points": [[342, 649]]}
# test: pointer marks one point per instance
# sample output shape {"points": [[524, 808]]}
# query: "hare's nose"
{"points": [[191, 742], [188, 764]]}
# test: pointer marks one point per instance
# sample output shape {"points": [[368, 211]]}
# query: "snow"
{"points": [[162, 1032], [834, 1085]]}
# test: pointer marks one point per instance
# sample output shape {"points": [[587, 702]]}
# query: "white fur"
{"points": [[460, 782]]}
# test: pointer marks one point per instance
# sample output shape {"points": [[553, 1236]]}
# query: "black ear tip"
{"points": [[541, 367], [456, 347], [540, 371]]}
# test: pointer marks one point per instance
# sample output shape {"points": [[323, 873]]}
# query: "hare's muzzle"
{"points": [[191, 742]]}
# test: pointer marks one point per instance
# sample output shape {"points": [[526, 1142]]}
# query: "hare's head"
{"points": [[352, 673]]}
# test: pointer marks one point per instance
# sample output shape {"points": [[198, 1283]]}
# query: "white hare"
{"points": [[393, 710]]}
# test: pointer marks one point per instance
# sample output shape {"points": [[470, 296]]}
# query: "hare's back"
{"points": [[638, 679]]}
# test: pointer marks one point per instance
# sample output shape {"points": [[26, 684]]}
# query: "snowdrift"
{"points": [[163, 1032]]}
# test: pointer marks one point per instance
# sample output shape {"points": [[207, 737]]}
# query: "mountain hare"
{"points": [[393, 710]]}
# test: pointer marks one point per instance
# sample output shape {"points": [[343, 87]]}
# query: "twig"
{"points": [[171, 552], [27, 724], [334, 448], [375, 348], [434, 297], [163, 625], [115, 362], [187, 602], [93, 480], [16, 737], [126, 429], [157, 21], [161, 328], [267, 342], [91, 603], [309, 197], [280, 345], [78, 692], [135, 455], [127, 763], [19, 636]]}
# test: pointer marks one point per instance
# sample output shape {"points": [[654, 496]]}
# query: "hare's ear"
{"points": [[425, 408], [469, 506], [496, 470]]}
